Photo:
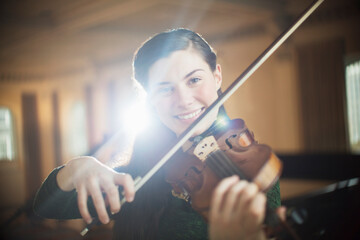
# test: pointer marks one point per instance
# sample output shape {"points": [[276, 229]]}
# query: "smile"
{"points": [[190, 115]]}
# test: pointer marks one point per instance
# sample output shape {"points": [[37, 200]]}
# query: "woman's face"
{"points": [[181, 87]]}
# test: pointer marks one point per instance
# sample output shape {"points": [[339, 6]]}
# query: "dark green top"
{"points": [[178, 221], [155, 213]]}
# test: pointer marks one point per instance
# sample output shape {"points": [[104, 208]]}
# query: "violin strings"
{"points": [[221, 164], [222, 160], [216, 167], [233, 166]]}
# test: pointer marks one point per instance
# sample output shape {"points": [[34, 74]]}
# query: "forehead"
{"points": [[176, 66]]}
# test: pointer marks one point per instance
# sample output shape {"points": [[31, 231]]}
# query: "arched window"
{"points": [[6, 135]]}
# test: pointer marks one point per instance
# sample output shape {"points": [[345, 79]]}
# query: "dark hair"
{"points": [[165, 43], [141, 219]]}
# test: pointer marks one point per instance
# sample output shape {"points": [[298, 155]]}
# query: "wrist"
{"points": [[63, 179]]}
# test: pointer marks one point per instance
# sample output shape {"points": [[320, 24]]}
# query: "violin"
{"points": [[225, 149], [226, 141], [228, 148]]}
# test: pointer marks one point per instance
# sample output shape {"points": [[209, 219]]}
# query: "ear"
{"points": [[218, 76]]}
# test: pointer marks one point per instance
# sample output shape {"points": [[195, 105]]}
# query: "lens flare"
{"points": [[136, 118]]}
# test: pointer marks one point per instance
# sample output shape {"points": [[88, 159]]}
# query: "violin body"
{"points": [[231, 150]]}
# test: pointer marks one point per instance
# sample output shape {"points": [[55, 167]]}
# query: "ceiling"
{"points": [[41, 38]]}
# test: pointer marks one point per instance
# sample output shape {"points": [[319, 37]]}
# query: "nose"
{"points": [[184, 97]]}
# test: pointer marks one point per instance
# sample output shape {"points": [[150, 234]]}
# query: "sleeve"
{"points": [[52, 202], [273, 196]]}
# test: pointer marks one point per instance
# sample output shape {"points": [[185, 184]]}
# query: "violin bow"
{"points": [[140, 181]]}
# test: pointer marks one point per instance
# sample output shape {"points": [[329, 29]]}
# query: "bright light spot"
{"points": [[222, 121], [136, 118], [353, 104]]}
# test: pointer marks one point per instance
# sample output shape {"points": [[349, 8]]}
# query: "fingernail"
{"points": [[114, 212], [89, 221]]}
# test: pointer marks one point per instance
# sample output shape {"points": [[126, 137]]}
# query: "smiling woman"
{"points": [[178, 70], [181, 87]]}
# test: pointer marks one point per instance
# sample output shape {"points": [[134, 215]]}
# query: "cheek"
{"points": [[207, 94], [162, 108]]}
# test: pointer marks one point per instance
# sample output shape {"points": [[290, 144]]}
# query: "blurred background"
{"points": [[65, 87]]}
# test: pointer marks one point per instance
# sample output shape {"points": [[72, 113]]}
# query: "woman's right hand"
{"points": [[237, 211], [91, 178]]}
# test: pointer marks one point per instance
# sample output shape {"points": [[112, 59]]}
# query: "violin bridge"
{"points": [[205, 147]]}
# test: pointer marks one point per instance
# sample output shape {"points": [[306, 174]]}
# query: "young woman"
{"points": [[178, 69]]}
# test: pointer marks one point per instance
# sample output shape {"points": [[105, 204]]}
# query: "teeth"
{"points": [[188, 116]]}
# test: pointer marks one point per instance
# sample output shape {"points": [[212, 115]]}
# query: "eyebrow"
{"points": [[186, 76], [192, 72]]}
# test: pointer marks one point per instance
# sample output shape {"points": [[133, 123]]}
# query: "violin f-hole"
{"points": [[228, 142]]}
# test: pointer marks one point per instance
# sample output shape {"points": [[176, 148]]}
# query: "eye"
{"points": [[194, 80], [165, 91]]}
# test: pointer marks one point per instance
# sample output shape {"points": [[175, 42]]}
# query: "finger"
{"points": [[232, 198], [249, 192], [256, 210], [98, 200], [127, 182], [112, 195], [82, 204], [219, 194], [281, 212]]}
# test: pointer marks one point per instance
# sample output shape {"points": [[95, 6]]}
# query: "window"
{"points": [[353, 104], [77, 135], [6, 135]]}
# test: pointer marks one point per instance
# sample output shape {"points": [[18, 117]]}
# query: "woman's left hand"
{"points": [[237, 211]]}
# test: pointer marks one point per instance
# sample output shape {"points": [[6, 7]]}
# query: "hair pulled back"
{"points": [[164, 44]]}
